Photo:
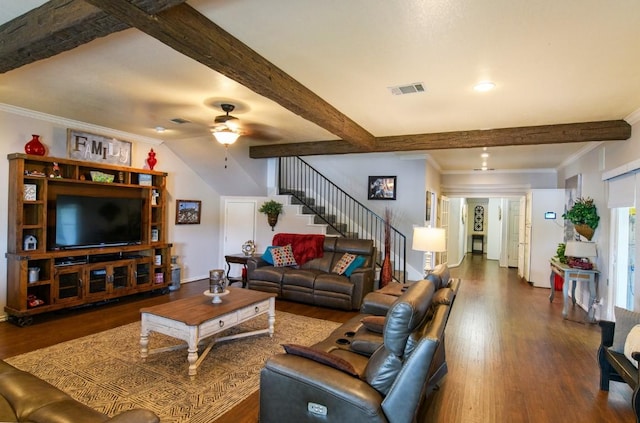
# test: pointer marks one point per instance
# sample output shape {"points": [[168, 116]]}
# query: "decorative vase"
{"points": [[272, 219], [585, 231], [151, 160], [386, 274], [34, 146]]}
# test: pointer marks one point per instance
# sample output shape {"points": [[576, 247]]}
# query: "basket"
{"points": [[101, 177]]}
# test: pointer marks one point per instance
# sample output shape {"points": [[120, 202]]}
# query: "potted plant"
{"points": [[560, 253], [272, 209], [584, 217]]}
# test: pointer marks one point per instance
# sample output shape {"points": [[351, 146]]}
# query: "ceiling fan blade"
{"points": [[261, 132]]}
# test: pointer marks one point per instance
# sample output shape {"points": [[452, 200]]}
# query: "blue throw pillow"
{"points": [[358, 262], [266, 256]]}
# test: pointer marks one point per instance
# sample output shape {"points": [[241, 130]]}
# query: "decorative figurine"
{"points": [[151, 160], [248, 248], [55, 172]]}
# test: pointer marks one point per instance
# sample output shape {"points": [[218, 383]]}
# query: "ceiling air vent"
{"points": [[179, 121], [416, 87]]}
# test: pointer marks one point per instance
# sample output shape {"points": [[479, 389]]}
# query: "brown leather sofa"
{"points": [[313, 282], [26, 398], [335, 381]]}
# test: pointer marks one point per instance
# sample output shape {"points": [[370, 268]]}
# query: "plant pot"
{"points": [[272, 219], [585, 231]]}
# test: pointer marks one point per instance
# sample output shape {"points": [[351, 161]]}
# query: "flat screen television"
{"points": [[83, 221]]}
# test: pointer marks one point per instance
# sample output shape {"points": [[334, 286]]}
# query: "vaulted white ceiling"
{"points": [[552, 62]]}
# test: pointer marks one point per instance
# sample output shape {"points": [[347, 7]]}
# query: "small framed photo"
{"points": [[188, 212], [382, 188]]}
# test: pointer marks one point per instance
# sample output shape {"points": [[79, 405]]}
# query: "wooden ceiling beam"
{"points": [[610, 130], [58, 26], [189, 32]]}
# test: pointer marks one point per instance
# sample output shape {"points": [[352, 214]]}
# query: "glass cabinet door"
{"points": [[120, 277], [97, 280], [68, 283]]}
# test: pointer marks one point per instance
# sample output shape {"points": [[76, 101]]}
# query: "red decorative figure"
{"points": [[34, 146], [151, 160]]}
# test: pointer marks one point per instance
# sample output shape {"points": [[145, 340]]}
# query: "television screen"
{"points": [[97, 221]]}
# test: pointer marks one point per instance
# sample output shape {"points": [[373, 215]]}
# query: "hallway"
{"points": [[512, 358]]}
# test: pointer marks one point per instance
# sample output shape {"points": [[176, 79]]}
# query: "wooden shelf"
{"points": [[133, 267]]}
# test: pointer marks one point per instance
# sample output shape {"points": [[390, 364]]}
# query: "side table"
{"points": [[570, 274], [238, 259]]}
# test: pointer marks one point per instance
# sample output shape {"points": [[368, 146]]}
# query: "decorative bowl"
{"points": [[101, 177]]}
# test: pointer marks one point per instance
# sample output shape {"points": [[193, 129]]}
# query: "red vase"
{"points": [[34, 146], [151, 160]]}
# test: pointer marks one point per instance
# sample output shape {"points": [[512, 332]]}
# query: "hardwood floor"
{"points": [[511, 356]]}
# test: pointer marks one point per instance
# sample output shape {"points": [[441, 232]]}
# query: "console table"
{"points": [[573, 274]]}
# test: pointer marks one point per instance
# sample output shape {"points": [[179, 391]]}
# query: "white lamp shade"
{"points": [[580, 249], [225, 136], [429, 239]]}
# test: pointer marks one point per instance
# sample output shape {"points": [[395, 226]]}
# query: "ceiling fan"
{"points": [[228, 128]]}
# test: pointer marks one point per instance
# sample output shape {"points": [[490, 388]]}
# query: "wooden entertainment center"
{"points": [[43, 277]]}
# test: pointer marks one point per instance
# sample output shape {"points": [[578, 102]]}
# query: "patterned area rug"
{"points": [[105, 371]]}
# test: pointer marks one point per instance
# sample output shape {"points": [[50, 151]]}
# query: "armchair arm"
{"points": [[362, 280], [255, 262], [607, 330], [377, 304], [289, 384]]}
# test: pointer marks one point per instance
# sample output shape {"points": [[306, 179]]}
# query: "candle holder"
{"points": [[217, 285]]}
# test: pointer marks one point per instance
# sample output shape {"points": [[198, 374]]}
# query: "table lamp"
{"points": [[579, 254], [430, 240]]}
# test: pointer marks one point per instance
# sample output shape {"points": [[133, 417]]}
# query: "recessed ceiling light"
{"points": [[160, 129], [484, 86], [484, 164], [484, 155]]}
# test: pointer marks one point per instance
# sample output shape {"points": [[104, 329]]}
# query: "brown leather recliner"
{"points": [[26, 398], [388, 386], [313, 282]]}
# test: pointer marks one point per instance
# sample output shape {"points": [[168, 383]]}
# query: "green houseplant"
{"points": [[272, 209], [584, 216]]}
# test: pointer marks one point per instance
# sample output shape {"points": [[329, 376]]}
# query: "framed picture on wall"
{"points": [[188, 212], [382, 188]]}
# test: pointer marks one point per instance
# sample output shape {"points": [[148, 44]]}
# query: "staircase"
{"points": [[343, 215]]}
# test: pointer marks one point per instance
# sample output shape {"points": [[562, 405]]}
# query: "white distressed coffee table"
{"points": [[197, 318]]}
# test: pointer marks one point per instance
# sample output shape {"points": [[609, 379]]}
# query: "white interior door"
{"points": [[523, 240], [239, 227], [513, 242]]}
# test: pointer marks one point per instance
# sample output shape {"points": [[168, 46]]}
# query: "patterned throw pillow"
{"points": [[343, 263], [283, 256]]}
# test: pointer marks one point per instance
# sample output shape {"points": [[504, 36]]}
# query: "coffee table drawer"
{"points": [[216, 325], [249, 312]]}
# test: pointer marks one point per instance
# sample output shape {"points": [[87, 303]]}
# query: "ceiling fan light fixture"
{"points": [[225, 136]]}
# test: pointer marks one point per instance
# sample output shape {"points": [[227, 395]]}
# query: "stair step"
{"points": [[303, 201], [316, 210]]}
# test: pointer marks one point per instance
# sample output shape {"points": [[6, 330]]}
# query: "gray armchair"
{"points": [[389, 386]]}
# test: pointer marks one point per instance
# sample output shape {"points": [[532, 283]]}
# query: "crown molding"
{"points": [[70, 123], [633, 118]]}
